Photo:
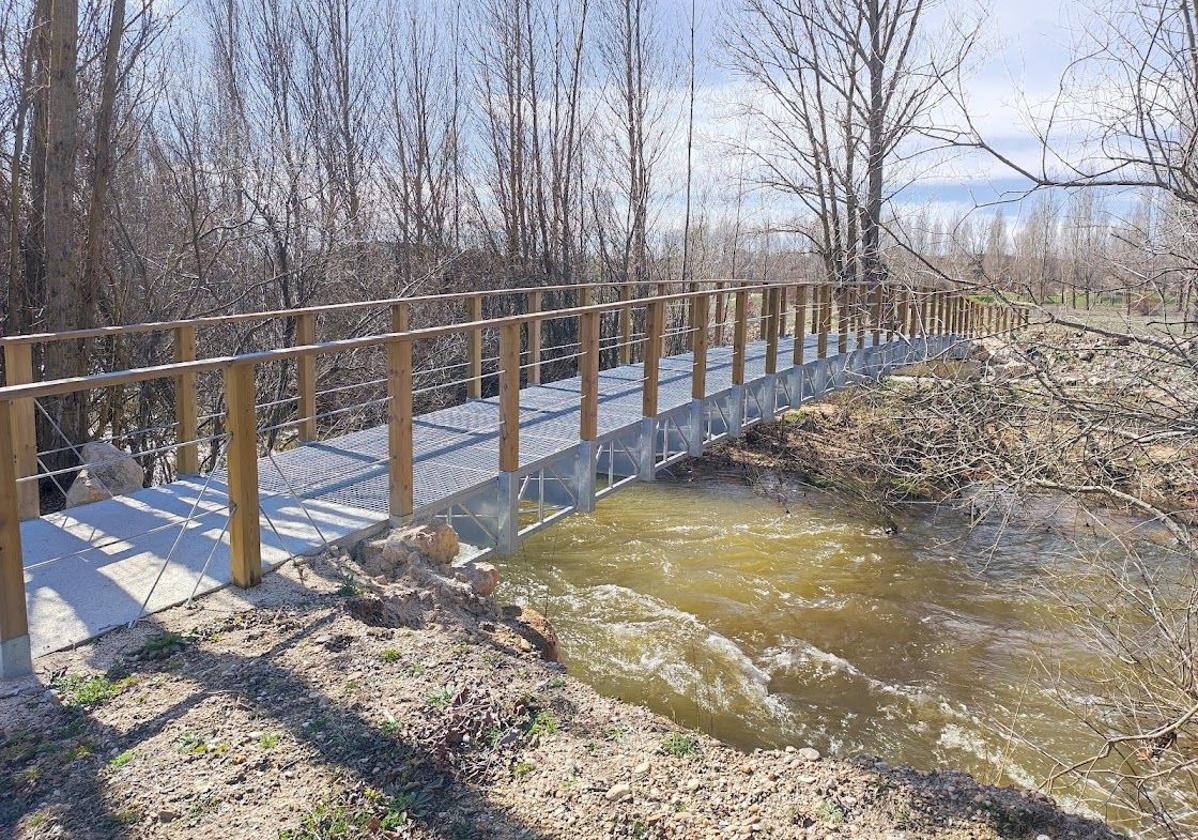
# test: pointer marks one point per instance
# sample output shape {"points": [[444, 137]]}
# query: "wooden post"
{"points": [[800, 323], [877, 317], [509, 397], [400, 483], [654, 327], [773, 301], [305, 376], [740, 331], [534, 340], [825, 320], [474, 312], [842, 321], [699, 363], [764, 314], [187, 455], [721, 313], [626, 324], [588, 373], [18, 370], [782, 309], [861, 299], [14, 622], [245, 536]]}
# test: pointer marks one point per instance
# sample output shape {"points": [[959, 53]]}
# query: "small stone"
{"points": [[692, 784], [641, 769], [809, 754], [618, 791], [166, 815]]}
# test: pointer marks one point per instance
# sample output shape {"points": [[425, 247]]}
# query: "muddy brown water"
{"points": [[810, 622]]}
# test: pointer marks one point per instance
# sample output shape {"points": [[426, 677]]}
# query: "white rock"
{"points": [[641, 769], [809, 754], [107, 472], [618, 791]]}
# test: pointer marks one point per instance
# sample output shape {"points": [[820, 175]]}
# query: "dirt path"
{"points": [[292, 712]]}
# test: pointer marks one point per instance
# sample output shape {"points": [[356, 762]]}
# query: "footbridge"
{"points": [[265, 459]]}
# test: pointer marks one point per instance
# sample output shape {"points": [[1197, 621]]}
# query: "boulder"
{"points": [[483, 577], [438, 542], [535, 629], [397, 553], [107, 472]]}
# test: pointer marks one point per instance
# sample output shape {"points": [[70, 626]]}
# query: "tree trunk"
{"points": [[101, 170], [64, 358]]}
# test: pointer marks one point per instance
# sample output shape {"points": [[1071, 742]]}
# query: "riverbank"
{"points": [[330, 704]]}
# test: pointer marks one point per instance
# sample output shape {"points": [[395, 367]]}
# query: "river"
{"points": [[813, 622]]}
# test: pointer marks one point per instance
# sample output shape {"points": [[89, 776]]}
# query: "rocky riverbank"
{"points": [[390, 696]]}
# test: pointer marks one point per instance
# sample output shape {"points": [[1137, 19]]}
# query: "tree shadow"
{"points": [[953, 797], [337, 735]]}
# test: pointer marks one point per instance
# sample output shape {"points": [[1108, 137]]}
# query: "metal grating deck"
{"points": [[90, 568]]}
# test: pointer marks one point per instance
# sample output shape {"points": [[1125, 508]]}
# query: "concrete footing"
{"points": [[15, 658]]}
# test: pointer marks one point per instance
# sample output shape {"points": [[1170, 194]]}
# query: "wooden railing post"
{"points": [[18, 370], [842, 320], [721, 313], [15, 659], [509, 397], [400, 453], [800, 323], [824, 311], [740, 337], [764, 314], [784, 295], [534, 340], [245, 536], [474, 312], [699, 363], [187, 454], [588, 374], [877, 317], [861, 298], [305, 376], [654, 327], [773, 300], [626, 324]]}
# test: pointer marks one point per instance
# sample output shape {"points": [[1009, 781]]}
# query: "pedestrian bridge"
{"points": [[496, 466]]}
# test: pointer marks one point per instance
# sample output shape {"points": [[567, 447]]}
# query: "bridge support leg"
{"points": [[695, 432], [584, 476], [648, 453], [736, 411], [794, 385], [769, 387], [507, 534]]}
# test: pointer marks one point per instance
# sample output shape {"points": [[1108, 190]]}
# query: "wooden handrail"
{"points": [[270, 314], [110, 379]]}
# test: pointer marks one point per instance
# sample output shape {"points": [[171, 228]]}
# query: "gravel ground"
{"points": [[295, 711]]}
